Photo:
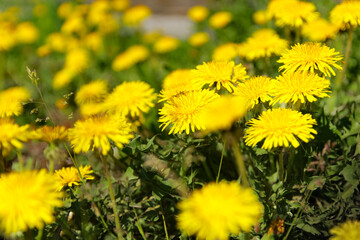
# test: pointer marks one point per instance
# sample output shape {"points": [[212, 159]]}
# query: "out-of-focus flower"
{"points": [[225, 52], [50, 134], [26, 32], [57, 42], [130, 57], [93, 92], [135, 15], [346, 14], [12, 135], [120, 5], [93, 41], [74, 24], [7, 33], [61, 103], [152, 36], [199, 39], [77, 60], [261, 17], [348, 230], [11, 101], [198, 13], [65, 9], [319, 30], [277, 227], [43, 51], [63, 78], [165, 44], [220, 19]]}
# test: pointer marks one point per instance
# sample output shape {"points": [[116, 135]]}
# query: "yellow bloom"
{"points": [[77, 60], [135, 15], [92, 92], [92, 108], [7, 33], [151, 36], [65, 9], [50, 133], [280, 127], [261, 17], [255, 89], [277, 227], [26, 32], [220, 19], [220, 74], [263, 43], [309, 57], [95, 132], [166, 44], [223, 112], [120, 5], [11, 101], [319, 30], [69, 176], [177, 82], [93, 41], [184, 110], [74, 24], [218, 209], [131, 98], [348, 230], [198, 13], [30, 200], [43, 51], [130, 57], [57, 42], [225, 52], [199, 39], [299, 86], [12, 135], [346, 14], [63, 78]]}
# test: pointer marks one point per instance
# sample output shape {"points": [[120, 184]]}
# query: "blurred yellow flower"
{"points": [[93, 41], [92, 92], [11, 101], [198, 39], [57, 41], [65, 9], [165, 44], [220, 19], [346, 14], [198, 13], [12, 135], [50, 134], [261, 17], [63, 78], [26, 32], [348, 230], [120, 5], [74, 24], [225, 52], [7, 33], [92, 108], [94, 133], [77, 60], [183, 111], [69, 176], [130, 57], [61, 103], [299, 86], [218, 210], [43, 51], [219, 74], [310, 57], [135, 15], [280, 128], [151, 36], [31, 199], [319, 30]]}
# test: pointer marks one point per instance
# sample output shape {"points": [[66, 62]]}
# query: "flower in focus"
{"points": [[346, 14], [263, 43], [77, 60], [255, 89], [319, 30], [280, 127], [31, 198], [261, 17], [69, 176], [225, 52], [221, 113], [348, 230], [135, 15], [199, 39], [184, 110], [220, 19], [131, 98], [299, 86], [50, 133], [94, 91], [176, 83], [12, 135], [198, 13], [220, 74], [26, 32], [63, 78], [218, 209], [130, 57], [165, 44], [95, 132], [309, 57], [11, 101]]}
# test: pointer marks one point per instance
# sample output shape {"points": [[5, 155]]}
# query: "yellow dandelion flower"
{"points": [[63, 78], [309, 57], [299, 86], [12, 135], [166, 44], [198, 13], [95, 132], [255, 90], [130, 57], [26, 32], [93, 41], [199, 39], [69, 176], [61, 103], [7, 33], [280, 127], [263, 43], [177, 82], [184, 110], [77, 60], [261, 17], [223, 112], [220, 19], [65, 9], [346, 14], [348, 230], [225, 52], [319, 30], [43, 51], [92, 108], [120, 5], [50, 133], [135, 15], [151, 36], [57, 42], [31, 198], [220, 74], [74, 25], [94, 91], [131, 98], [218, 209], [11, 101]]}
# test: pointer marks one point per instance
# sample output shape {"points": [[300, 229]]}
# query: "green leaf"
{"points": [[307, 228]]}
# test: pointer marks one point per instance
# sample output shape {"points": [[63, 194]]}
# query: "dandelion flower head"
{"points": [[198, 13], [319, 30], [12, 135], [50, 134], [92, 92], [69, 176], [11, 101], [219, 74], [299, 86], [31, 198], [310, 57], [63, 77], [225, 52], [135, 15], [218, 209], [220, 19], [198, 39], [26, 32], [130, 57], [165, 44], [77, 60], [346, 14], [120, 5], [348, 230], [183, 111], [280, 128], [261, 17]]}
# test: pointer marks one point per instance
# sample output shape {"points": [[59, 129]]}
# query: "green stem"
{"points": [[221, 161], [165, 228], [240, 163], [21, 162], [281, 165], [347, 56]]}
